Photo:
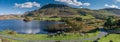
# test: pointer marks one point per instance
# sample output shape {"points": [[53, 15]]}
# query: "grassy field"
{"points": [[70, 36], [47, 18], [52, 18], [87, 17], [113, 37]]}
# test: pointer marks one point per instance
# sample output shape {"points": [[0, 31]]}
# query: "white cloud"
{"points": [[86, 4], [111, 6], [27, 5], [1, 13], [74, 2], [118, 0]]}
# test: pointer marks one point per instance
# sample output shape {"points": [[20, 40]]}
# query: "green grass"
{"points": [[70, 36], [58, 18], [47, 18], [10, 40], [52, 18], [87, 17], [113, 37], [44, 37]]}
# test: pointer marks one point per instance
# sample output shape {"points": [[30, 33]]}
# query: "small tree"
{"points": [[78, 18], [95, 41], [109, 23], [118, 23]]}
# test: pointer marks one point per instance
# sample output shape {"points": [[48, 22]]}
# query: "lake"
{"points": [[32, 27]]}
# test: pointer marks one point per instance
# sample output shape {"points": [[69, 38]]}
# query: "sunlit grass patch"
{"points": [[112, 37]]}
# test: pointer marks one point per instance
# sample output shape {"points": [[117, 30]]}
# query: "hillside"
{"points": [[53, 9], [113, 10], [64, 10], [11, 16]]}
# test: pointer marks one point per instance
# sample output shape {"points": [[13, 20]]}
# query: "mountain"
{"points": [[55, 6], [53, 9], [64, 10], [113, 10]]}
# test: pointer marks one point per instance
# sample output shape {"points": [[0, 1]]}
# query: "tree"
{"points": [[109, 23], [117, 23], [78, 18], [95, 41]]}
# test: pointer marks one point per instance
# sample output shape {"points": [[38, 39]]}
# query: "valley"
{"points": [[61, 23]]}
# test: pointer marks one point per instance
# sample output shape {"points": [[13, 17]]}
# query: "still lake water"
{"points": [[32, 27]]}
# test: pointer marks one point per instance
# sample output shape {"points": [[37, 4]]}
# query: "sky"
{"points": [[22, 6]]}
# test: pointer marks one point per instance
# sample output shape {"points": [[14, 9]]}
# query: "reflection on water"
{"points": [[25, 27], [29, 27]]}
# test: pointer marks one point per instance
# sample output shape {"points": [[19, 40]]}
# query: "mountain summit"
{"points": [[54, 6]]}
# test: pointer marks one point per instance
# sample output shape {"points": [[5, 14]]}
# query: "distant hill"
{"points": [[64, 10], [113, 10], [11, 16]]}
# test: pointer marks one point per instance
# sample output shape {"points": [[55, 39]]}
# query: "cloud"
{"points": [[74, 2], [111, 6], [27, 5], [86, 4], [1, 13], [118, 0]]}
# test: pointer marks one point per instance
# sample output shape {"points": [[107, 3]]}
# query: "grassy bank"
{"points": [[34, 37]]}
